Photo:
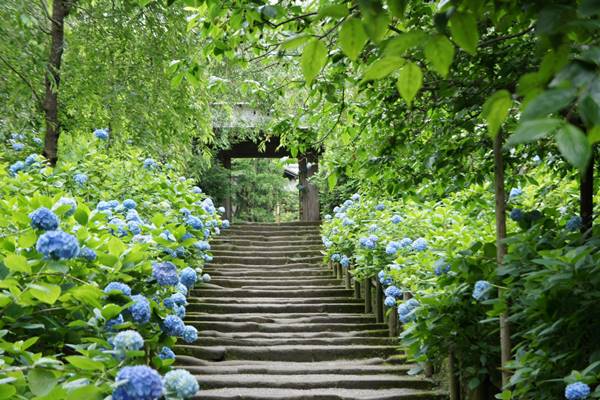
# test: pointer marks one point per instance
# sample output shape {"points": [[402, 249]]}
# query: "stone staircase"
{"points": [[275, 324]]}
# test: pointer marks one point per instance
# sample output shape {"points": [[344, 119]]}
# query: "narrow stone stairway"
{"points": [[275, 324]]}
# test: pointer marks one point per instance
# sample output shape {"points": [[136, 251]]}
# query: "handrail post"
{"points": [[348, 277], [356, 289], [368, 304], [378, 302], [393, 322]]}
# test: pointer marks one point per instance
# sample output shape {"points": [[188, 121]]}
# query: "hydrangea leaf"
{"points": [[41, 381], [45, 292], [17, 263], [314, 58], [85, 363]]}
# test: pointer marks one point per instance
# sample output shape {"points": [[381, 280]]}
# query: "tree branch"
{"points": [[23, 78], [506, 37], [297, 17]]}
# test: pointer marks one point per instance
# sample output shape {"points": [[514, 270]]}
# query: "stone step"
{"points": [[233, 247], [334, 341], [266, 260], [285, 318], [315, 381], [284, 272], [274, 267], [245, 393], [355, 367], [274, 225], [264, 253], [295, 335], [293, 238], [272, 232], [324, 292], [285, 352], [274, 244], [261, 300], [277, 327], [276, 281], [276, 307]]}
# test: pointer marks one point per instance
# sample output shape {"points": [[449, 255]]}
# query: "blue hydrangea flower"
{"points": [[206, 278], [134, 227], [181, 384], [514, 193], [103, 205], [182, 289], [194, 222], [140, 309], [165, 273], [577, 391], [390, 301], [17, 136], [188, 277], [348, 203], [18, 146], [139, 382], [129, 204], [101, 134], [345, 261], [481, 290], [66, 201], [396, 219], [58, 245], [31, 159], [150, 164], [167, 235], [87, 254], [196, 190], [118, 286], [38, 141], [208, 258], [43, 219], [347, 222], [110, 324], [128, 340], [419, 245], [380, 207], [335, 257], [175, 298], [187, 236], [185, 211], [120, 225], [16, 168], [327, 217], [113, 203], [166, 354], [221, 210], [173, 325], [392, 248], [516, 214], [355, 197], [393, 291], [202, 245], [383, 279], [179, 311], [441, 267], [189, 334], [133, 216], [406, 311], [225, 224], [80, 179], [336, 209], [574, 223]]}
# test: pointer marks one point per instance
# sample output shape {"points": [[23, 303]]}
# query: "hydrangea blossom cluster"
{"points": [[380, 207], [87, 254], [166, 353], [393, 291], [58, 245], [140, 309], [344, 261], [514, 193], [384, 279], [189, 334], [440, 267], [150, 164], [80, 179], [165, 273], [406, 311], [577, 391], [481, 290], [396, 219], [129, 204], [206, 278], [17, 167], [419, 244], [18, 146], [139, 382], [118, 287], [574, 223], [173, 325], [368, 242], [188, 277], [180, 383], [66, 201], [194, 222], [101, 134], [44, 219]]}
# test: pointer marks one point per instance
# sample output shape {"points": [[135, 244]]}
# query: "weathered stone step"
{"points": [[272, 232], [288, 272], [274, 225], [266, 260], [335, 341], [245, 393], [233, 247], [233, 283], [315, 381], [294, 238], [285, 318], [272, 243], [295, 335], [286, 352], [265, 268], [275, 327], [275, 307], [355, 367], [267, 253], [289, 292], [260, 300]]}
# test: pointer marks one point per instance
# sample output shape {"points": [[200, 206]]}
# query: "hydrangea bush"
{"points": [[83, 307]]}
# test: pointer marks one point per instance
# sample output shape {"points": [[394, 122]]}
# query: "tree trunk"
{"points": [[586, 197], [505, 346], [309, 194], [60, 9]]}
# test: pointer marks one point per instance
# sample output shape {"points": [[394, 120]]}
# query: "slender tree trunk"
{"points": [[586, 197], [505, 346], [60, 9]]}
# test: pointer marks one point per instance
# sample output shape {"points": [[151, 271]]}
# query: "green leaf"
{"points": [[463, 28], [548, 102], [45, 292], [110, 311], [376, 25], [398, 45], [7, 391], [82, 214], [116, 247], [573, 145], [594, 135], [334, 10], [382, 68], [85, 363], [352, 38], [529, 131], [28, 239], [294, 42], [87, 294], [17, 263], [314, 58], [397, 7], [410, 81], [41, 381], [331, 180], [589, 8], [439, 51], [495, 110]]}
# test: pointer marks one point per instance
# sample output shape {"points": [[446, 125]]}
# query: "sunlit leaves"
{"points": [[463, 27], [439, 52], [397, 7], [294, 42], [382, 68], [495, 110], [528, 131], [549, 101], [85, 363], [398, 45], [45, 292], [352, 38], [410, 80], [334, 11], [573, 145], [314, 58], [17, 263], [41, 381]]}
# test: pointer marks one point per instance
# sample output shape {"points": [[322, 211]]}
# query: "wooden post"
{"points": [[393, 322], [453, 379], [356, 289], [378, 302], [348, 277], [309, 193], [227, 205], [368, 305]]}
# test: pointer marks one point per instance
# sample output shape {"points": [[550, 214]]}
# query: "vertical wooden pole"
{"points": [[368, 304], [453, 378], [586, 197], [228, 205], [348, 277], [378, 302], [308, 165], [393, 322], [356, 289]]}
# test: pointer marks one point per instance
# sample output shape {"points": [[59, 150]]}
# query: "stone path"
{"points": [[275, 324]]}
